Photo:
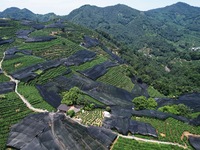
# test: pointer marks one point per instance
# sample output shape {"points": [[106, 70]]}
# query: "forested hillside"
{"points": [[161, 45]]}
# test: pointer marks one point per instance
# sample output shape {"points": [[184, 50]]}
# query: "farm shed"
{"points": [[63, 108]]}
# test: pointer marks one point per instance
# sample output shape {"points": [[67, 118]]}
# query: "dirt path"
{"points": [[187, 134], [56, 138], [16, 91], [153, 141]]}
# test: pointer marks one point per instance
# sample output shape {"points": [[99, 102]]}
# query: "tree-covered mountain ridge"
{"points": [[132, 26], [166, 40], [19, 14]]}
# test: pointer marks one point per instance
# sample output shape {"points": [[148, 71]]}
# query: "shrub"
{"points": [[168, 109], [179, 109], [152, 104], [70, 113], [108, 109], [89, 106]]}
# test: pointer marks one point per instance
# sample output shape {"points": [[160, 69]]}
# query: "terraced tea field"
{"points": [[116, 76], [94, 117], [170, 130], [12, 110]]}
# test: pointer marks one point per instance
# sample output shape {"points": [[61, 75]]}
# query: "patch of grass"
{"points": [[116, 76]]}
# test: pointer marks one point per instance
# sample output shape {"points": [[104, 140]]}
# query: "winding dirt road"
{"points": [[152, 141], [16, 91]]}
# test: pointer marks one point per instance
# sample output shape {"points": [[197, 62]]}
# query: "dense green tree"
{"points": [[71, 96], [142, 102]]}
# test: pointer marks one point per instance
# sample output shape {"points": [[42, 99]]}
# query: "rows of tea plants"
{"points": [[39, 33], [130, 144], [34, 97], [99, 59], [154, 93], [94, 117], [90, 100], [116, 76], [9, 31], [171, 129], [3, 78], [48, 75], [194, 115], [16, 63], [57, 48], [36, 46], [12, 110]]}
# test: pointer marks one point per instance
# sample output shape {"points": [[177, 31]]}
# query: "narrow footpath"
{"points": [[16, 91]]}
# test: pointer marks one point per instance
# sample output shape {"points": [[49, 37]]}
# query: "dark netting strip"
{"points": [[164, 116], [39, 39], [6, 41], [6, 87], [90, 42], [55, 25], [107, 94], [195, 142], [15, 50], [78, 58], [23, 34], [52, 97], [38, 26], [113, 56], [191, 100]]}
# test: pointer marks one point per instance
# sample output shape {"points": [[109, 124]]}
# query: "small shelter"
{"points": [[63, 108]]}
